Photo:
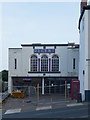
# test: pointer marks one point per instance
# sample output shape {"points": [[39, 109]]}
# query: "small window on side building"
{"points": [[15, 60], [73, 63], [54, 47], [44, 47], [33, 47]]}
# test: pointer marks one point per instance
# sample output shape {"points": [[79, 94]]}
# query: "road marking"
{"points": [[44, 108], [52, 102], [59, 102], [63, 111], [75, 104], [11, 111], [86, 116]]}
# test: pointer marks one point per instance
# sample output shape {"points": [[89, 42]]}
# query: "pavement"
{"points": [[65, 112], [54, 103], [30, 103]]}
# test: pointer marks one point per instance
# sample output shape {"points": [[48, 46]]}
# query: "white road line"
{"points": [[74, 104], [60, 111], [52, 102], [11, 111], [86, 116], [44, 108]]}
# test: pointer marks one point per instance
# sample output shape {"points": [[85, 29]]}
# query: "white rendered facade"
{"points": [[84, 58], [65, 52]]}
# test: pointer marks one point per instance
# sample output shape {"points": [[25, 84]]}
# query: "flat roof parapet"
{"points": [[69, 44]]}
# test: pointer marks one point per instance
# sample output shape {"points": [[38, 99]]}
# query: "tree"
{"points": [[4, 75]]}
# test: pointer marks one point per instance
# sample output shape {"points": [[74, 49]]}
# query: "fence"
{"points": [[33, 97], [50, 89]]}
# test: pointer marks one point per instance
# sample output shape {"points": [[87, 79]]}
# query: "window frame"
{"points": [[33, 63], [55, 63], [44, 63]]}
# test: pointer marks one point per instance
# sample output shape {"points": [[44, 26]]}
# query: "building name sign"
{"points": [[44, 50], [27, 79]]}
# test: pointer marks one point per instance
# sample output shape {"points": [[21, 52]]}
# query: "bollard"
{"points": [[23, 102], [51, 100], [65, 90], [9, 102], [37, 94]]}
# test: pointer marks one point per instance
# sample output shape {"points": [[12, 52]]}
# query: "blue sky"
{"points": [[46, 22]]}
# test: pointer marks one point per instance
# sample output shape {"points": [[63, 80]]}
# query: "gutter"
{"points": [[84, 8]]}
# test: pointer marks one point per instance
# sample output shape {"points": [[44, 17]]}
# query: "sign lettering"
{"points": [[44, 50]]}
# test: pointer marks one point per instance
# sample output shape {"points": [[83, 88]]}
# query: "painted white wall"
{"points": [[82, 56], [86, 50], [72, 53], [15, 53], [12, 54], [84, 53], [89, 49], [23, 60]]}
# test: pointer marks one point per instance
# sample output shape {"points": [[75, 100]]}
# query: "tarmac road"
{"points": [[66, 112]]}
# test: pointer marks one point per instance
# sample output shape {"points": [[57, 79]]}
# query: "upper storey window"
{"points": [[33, 63], [83, 24], [15, 61], [55, 63], [73, 63], [44, 63]]}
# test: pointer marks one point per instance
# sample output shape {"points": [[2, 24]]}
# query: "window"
{"points": [[73, 63], [54, 47], [33, 63], [33, 47], [15, 61], [44, 47], [55, 63], [44, 63], [82, 24]]}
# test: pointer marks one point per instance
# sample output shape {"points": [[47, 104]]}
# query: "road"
{"points": [[65, 112]]}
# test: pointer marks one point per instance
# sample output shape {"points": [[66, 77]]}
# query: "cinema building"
{"points": [[46, 64]]}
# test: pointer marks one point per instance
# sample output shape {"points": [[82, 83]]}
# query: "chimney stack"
{"points": [[83, 3]]}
